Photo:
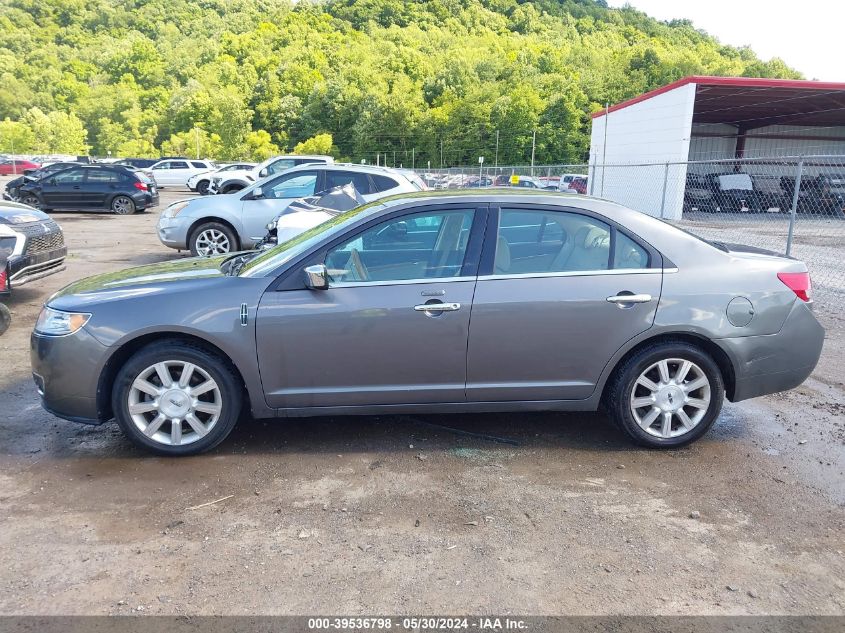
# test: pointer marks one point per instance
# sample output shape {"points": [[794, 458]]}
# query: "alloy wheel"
{"points": [[175, 402], [122, 205], [31, 201], [212, 242], [670, 397]]}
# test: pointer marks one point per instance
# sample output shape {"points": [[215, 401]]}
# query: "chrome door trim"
{"points": [[629, 299], [577, 273], [398, 282]]}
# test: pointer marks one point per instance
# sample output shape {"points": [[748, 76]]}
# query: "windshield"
{"points": [[275, 257]]}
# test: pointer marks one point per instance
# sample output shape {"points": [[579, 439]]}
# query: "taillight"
{"points": [[3, 280], [140, 185], [799, 283]]}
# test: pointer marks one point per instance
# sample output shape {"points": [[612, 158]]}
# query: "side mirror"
{"points": [[317, 277], [257, 194], [263, 172]]}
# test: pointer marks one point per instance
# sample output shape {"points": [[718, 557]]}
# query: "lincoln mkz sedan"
{"points": [[434, 302]]}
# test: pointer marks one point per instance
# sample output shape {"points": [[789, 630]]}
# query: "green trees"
{"points": [[414, 80]]}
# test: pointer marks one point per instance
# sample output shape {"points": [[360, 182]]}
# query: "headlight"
{"points": [[271, 225], [173, 210], [58, 323]]}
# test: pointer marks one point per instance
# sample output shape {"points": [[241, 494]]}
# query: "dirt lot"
{"points": [[390, 515]]}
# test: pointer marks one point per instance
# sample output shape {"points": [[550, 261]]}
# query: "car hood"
{"points": [[12, 213], [140, 281]]}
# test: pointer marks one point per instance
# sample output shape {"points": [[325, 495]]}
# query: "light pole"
{"points": [[480, 168], [197, 126], [533, 145]]}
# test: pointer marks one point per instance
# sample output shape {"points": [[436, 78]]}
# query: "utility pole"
{"points": [[394, 158], [441, 152], [533, 145], [496, 159], [412, 159]]}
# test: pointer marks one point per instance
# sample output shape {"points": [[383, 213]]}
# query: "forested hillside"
{"points": [[251, 77]]}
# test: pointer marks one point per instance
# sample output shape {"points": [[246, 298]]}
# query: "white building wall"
{"points": [[649, 133]]}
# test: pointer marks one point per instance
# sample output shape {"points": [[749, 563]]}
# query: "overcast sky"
{"points": [[807, 35]]}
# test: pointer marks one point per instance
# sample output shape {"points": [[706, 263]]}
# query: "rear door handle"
{"points": [[438, 307], [629, 299]]}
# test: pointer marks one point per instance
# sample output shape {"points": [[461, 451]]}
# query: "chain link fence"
{"points": [[791, 205]]}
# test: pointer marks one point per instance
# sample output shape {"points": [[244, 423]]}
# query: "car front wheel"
{"points": [[202, 187], [666, 395], [174, 398], [29, 200], [212, 238]]}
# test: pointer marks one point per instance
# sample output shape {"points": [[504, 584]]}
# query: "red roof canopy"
{"points": [[756, 102]]}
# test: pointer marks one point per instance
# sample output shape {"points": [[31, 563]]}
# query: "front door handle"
{"points": [[438, 307], [629, 299]]}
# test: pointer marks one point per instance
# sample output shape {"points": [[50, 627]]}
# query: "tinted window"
{"points": [[280, 165], [165, 165], [338, 178], [555, 241], [420, 246], [383, 183], [178, 164], [71, 175], [199, 165], [103, 175], [297, 185]]}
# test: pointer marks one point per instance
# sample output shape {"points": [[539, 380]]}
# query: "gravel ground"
{"points": [[397, 515]]}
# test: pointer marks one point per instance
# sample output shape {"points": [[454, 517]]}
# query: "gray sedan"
{"points": [[434, 302]]}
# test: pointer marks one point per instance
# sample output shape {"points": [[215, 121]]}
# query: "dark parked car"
{"points": [[575, 303], [734, 192], [698, 194], [121, 190], [12, 190], [31, 246]]}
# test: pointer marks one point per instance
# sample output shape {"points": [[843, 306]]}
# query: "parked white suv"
{"points": [[200, 182], [214, 225], [176, 172], [237, 180]]}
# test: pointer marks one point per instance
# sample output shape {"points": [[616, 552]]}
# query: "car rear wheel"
{"points": [[5, 318], [123, 205], [212, 238], [202, 187], [175, 398], [666, 395]]}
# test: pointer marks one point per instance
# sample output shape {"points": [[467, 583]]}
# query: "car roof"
{"points": [[361, 169]]}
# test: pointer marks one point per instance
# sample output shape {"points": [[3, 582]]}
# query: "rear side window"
{"points": [[178, 164], [199, 165], [531, 241], [280, 165], [339, 178], [103, 175], [383, 183]]}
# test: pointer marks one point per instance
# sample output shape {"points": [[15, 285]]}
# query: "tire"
{"points": [[202, 187], [204, 419], [30, 200], [123, 205], [232, 188], [625, 386], [212, 238], [5, 318]]}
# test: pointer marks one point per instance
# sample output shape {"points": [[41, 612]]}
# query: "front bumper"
{"points": [[27, 268], [173, 232], [776, 362], [66, 372]]}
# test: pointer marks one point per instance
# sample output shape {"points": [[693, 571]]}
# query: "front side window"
{"points": [[162, 165], [280, 166], [297, 185], [178, 164], [530, 241], [70, 176], [420, 246]]}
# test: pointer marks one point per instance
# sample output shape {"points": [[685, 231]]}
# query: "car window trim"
{"points": [[486, 268], [289, 279]]}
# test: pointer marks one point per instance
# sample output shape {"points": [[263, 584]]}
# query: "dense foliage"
{"points": [[421, 79]]}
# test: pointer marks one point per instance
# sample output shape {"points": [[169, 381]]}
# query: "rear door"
{"points": [[549, 308], [100, 187]]}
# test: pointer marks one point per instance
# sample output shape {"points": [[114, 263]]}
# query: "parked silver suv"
{"points": [[215, 225]]}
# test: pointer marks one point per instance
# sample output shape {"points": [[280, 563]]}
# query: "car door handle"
{"points": [[629, 299], [438, 307]]}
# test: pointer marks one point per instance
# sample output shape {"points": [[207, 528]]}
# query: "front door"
{"points": [[551, 310], [392, 327], [276, 194], [64, 190]]}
